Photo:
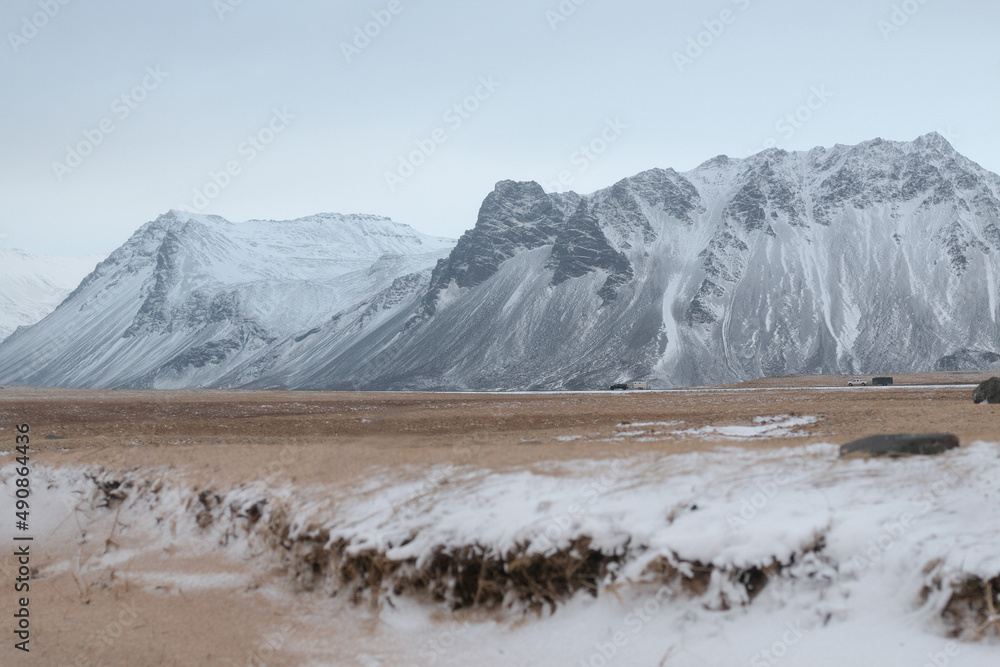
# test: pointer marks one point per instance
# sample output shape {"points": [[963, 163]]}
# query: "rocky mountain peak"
{"points": [[782, 262], [933, 141], [516, 203], [717, 162]]}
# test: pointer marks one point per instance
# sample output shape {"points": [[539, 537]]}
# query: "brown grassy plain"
{"points": [[224, 438]]}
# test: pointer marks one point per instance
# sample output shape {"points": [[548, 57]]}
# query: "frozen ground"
{"points": [[729, 557]]}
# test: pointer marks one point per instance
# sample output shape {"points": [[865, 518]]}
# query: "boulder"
{"points": [[902, 445], [988, 392]]}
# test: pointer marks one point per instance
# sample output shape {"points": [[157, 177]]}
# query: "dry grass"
{"points": [[220, 440], [971, 611], [323, 438]]}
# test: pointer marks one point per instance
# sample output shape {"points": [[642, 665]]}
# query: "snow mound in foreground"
{"points": [[790, 552]]}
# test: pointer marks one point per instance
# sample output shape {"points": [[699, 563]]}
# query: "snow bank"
{"points": [[700, 558]]}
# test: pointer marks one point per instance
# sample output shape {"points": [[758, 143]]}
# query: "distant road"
{"points": [[713, 390]]}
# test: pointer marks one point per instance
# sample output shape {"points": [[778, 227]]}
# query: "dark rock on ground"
{"points": [[988, 392], [902, 445]]}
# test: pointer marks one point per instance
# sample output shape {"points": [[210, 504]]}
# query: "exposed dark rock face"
{"points": [[765, 195], [154, 314], [667, 191], [902, 445], [401, 288], [851, 259], [217, 351], [961, 244], [514, 217], [725, 257], [201, 311], [988, 392], [881, 172], [517, 217], [581, 248], [625, 207], [700, 311]]}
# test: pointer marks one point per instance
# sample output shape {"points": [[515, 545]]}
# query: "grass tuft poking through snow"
{"points": [[735, 538]]}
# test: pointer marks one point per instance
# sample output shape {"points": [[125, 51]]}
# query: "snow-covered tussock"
{"points": [[794, 527]]}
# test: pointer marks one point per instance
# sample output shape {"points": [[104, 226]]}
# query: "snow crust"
{"points": [[857, 542]]}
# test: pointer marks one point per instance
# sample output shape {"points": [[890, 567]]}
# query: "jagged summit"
{"points": [[717, 162], [877, 257]]}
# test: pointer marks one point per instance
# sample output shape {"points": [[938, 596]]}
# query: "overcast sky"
{"points": [[114, 111]]}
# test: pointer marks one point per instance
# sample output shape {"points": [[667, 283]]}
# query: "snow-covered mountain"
{"points": [[188, 297], [31, 286], [880, 257]]}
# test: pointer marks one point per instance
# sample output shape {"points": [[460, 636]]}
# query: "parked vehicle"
{"points": [[619, 385], [882, 382], [857, 382]]}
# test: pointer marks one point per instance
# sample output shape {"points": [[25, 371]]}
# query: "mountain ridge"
{"points": [[877, 257], [33, 285]]}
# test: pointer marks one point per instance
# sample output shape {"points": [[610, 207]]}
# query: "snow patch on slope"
{"points": [[31, 286]]}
